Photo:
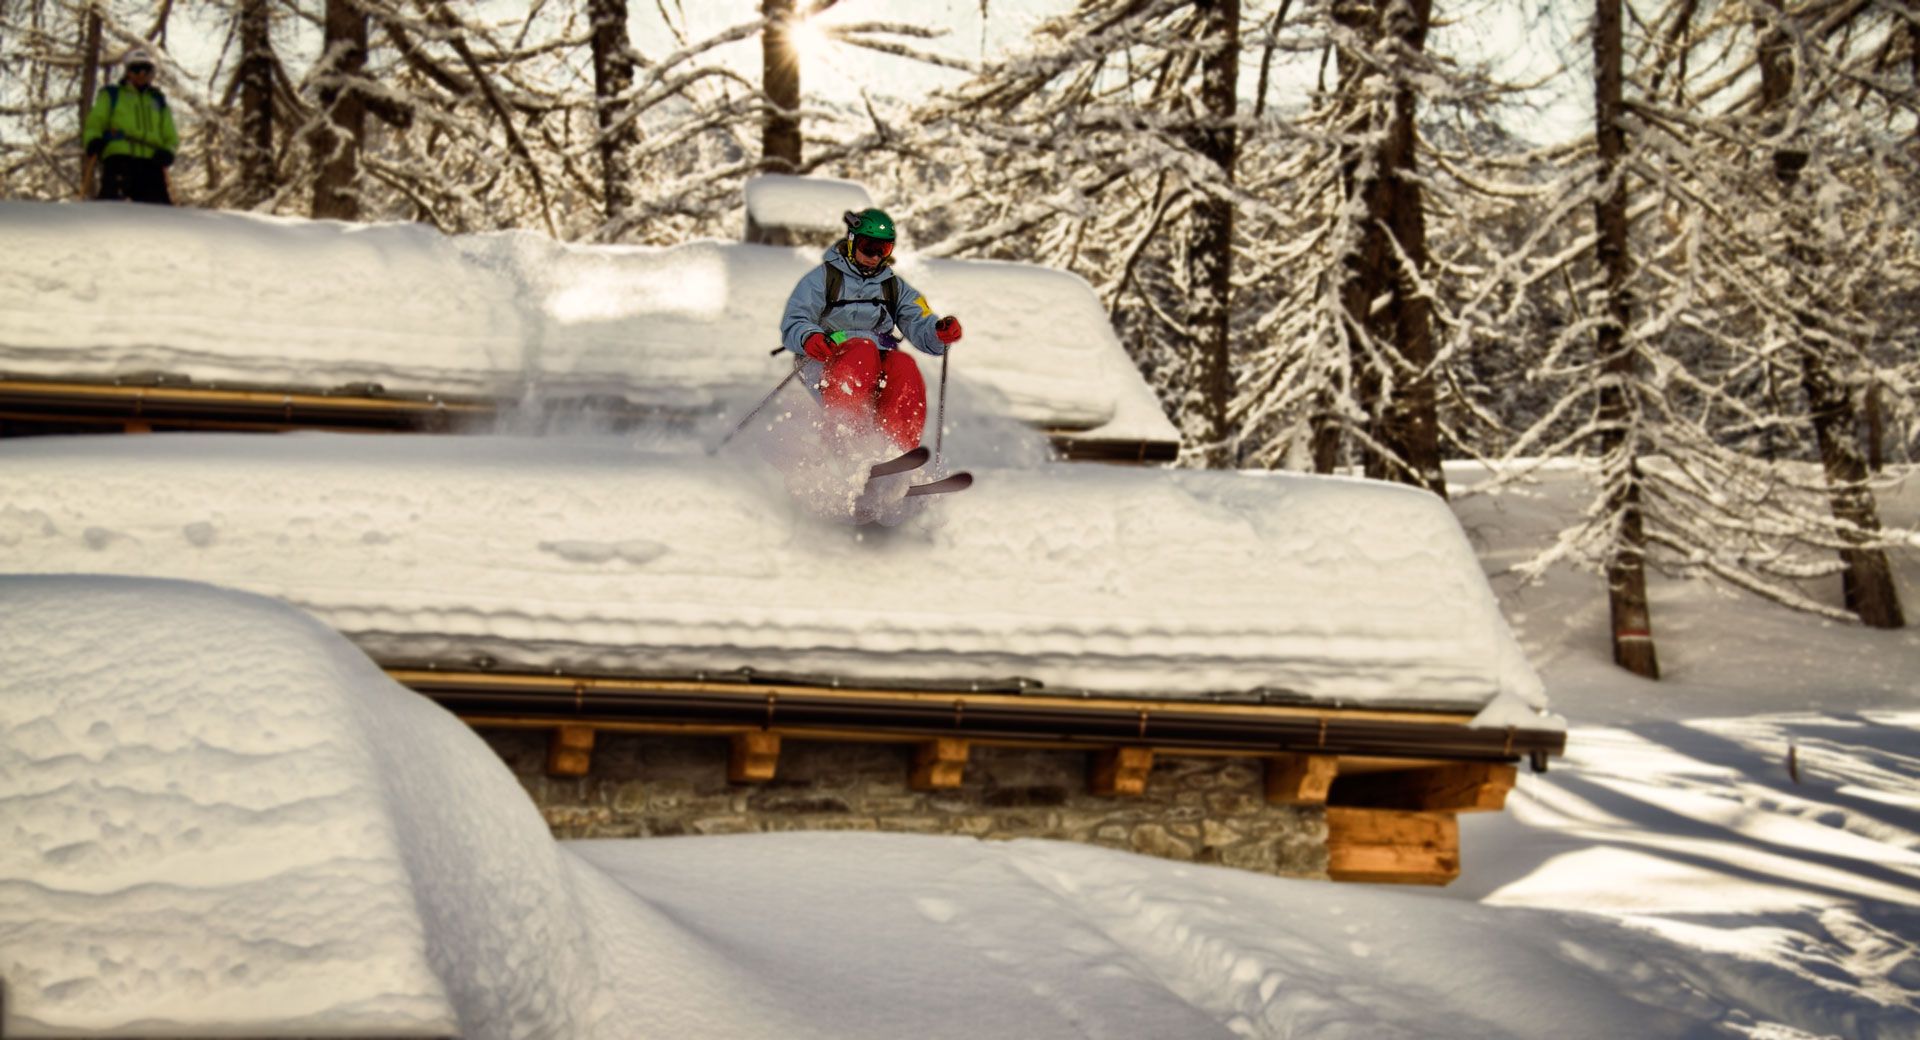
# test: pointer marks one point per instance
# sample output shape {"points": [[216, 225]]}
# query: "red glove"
{"points": [[818, 347], [948, 329]]}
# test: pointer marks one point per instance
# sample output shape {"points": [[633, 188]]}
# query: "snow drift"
{"points": [[218, 813]]}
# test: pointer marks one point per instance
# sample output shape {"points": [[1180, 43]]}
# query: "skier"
{"points": [[130, 133], [848, 316]]}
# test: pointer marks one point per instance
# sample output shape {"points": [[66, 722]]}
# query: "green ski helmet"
{"points": [[869, 233]]}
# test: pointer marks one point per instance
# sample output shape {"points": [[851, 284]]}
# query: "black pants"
{"points": [[139, 180]]}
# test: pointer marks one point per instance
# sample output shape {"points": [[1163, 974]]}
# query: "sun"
{"points": [[811, 44]]}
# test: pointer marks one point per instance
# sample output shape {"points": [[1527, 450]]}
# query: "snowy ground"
{"points": [[342, 853]]}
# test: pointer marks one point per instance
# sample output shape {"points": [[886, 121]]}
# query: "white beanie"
{"points": [[138, 54]]}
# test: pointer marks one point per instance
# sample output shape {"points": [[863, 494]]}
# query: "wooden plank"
{"points": [[939, 764], [570, 751], [1120, 772], [1458, 787], [1300, 779], [755, 757], [1392, 846]]}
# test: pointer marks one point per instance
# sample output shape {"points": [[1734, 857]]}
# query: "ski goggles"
{"points": [[138, 67], [878, 248]]}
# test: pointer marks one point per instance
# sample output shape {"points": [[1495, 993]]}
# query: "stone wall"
{"points": [[1197, 809]]}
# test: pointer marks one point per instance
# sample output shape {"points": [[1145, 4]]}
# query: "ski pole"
{"points": [[731, 434], [940, 417]]}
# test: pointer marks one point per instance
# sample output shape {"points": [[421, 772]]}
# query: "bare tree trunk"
{"points": [[1867, 583], [1633, 647], [1405, 423], [1411, 421], [257, 172], [89, 85], [780, 143], [1326, 433], [1210, 242], [1361, 282], [612, 79], [1876, 430], [341, 131]]}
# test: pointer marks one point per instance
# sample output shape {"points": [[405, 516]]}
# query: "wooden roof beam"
{"points": [[754, 757], [1300, 779], [939, 765], [570, 751]]}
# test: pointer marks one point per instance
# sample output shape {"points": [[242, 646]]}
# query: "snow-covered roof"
{"points": [[605, 554], [809, 205], [100, 292]]}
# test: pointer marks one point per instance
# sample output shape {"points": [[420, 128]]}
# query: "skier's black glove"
{"points": [[163, 157], [948, 329]]}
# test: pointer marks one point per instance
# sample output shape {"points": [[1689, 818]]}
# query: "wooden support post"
{"points": [[939, 764], [1460, 787], [756, 755], [570, 751], [1387, 845], [1300, 779], [1121, 772], [136, 426]]}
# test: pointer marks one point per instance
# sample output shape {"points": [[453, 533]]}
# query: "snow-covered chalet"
{"points": [[637, 600]]}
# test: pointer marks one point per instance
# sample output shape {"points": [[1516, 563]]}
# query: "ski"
{"points": [[957, 482], [902, 463]]}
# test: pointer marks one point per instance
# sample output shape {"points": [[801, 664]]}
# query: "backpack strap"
{"points": [[889, 290], [108, 134]]}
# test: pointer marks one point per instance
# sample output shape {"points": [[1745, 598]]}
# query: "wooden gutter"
{"points": [[146, 401], [1105, 722]]}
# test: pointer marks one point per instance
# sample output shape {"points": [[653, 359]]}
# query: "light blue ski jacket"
{"points": [[862, 307]]}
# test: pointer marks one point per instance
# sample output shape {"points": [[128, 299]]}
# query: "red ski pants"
{"points": [[850, 388]]}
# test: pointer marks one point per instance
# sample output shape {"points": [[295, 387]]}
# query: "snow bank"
{"points": [[599, 554], [105, 291], [220, 817]]}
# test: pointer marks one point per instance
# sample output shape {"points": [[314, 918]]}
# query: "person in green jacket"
{"points": [[130, 134]]}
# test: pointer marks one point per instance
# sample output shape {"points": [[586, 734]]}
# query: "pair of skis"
{"points": [[913, 460]]}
